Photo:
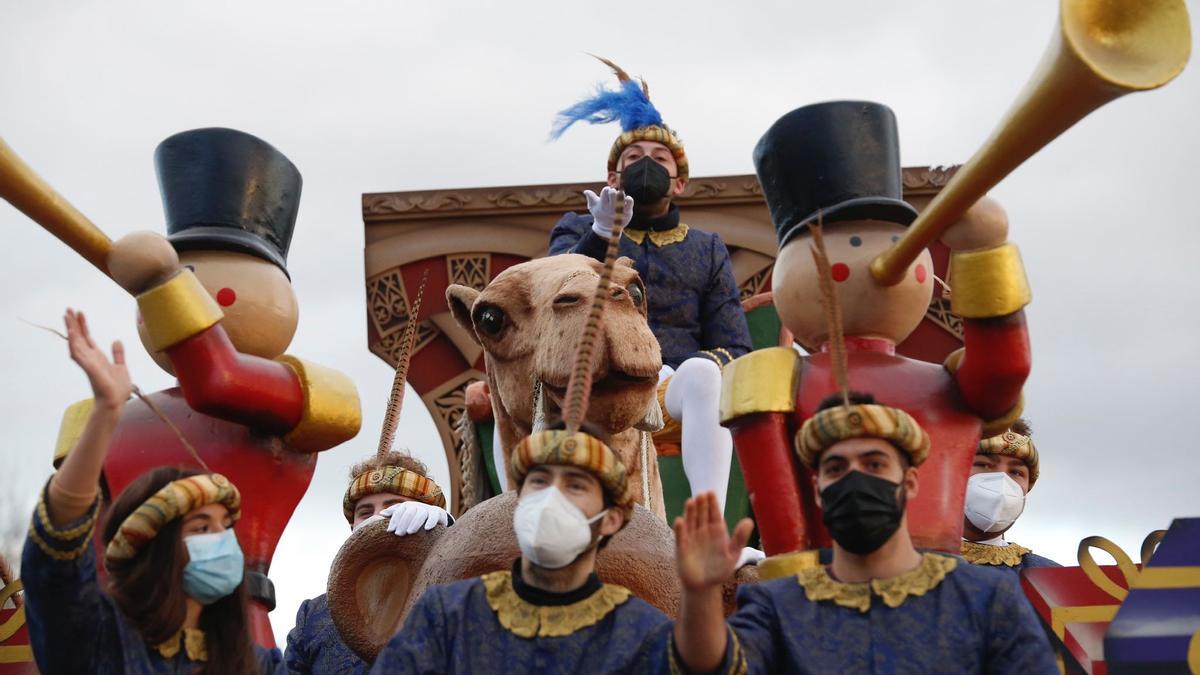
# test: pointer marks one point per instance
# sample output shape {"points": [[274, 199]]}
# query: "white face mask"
{"points": [[552, 531], [994, 501]]}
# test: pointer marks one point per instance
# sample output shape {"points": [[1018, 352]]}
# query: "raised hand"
{"points": [[705, 553], [603, 208], [111, 385]]}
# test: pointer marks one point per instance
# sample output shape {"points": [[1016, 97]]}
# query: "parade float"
{"points": [[472, 243]]}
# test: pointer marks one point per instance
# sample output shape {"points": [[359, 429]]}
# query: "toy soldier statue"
{"points": [[216, 308], [839, 163], [693, 301]]}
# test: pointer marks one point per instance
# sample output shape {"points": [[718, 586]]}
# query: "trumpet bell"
{"points": [[1101, 50], [1134, 45]]}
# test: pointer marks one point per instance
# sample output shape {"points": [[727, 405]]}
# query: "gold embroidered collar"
{"points": [[528, 620], [659, 238], [818, 585], [192, 641], [983, 554]]}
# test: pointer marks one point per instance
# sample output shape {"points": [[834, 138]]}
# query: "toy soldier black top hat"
{"points": [[841, 158], [224, 189]]}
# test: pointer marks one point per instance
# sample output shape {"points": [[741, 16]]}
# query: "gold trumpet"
{"points": [[34, 197], [1101, 50]]}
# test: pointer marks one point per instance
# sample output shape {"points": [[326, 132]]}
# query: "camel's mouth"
{"points": [[614, 381]]}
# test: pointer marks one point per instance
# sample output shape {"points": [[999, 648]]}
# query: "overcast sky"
{"points": [[381, 96]]}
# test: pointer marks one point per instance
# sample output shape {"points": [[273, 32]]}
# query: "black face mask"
{"points": [[862, 511], [646, 181]]}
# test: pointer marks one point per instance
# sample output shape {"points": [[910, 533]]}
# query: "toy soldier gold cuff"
{"points": [[988, 283], [332, 414], [762, 381], [177, 310]]}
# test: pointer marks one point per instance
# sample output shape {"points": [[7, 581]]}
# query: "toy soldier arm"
{"points": [[725, 335], [573, 234], [758, 394], [316, 407], [989, 292]]}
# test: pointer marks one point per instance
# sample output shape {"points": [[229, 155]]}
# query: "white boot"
{"points": [[694, 397]]}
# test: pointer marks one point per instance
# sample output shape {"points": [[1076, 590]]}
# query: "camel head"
{"points": [[529, 320]]}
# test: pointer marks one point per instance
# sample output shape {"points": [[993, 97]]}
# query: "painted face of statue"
{"points": [[869, 309], [259, 303]]}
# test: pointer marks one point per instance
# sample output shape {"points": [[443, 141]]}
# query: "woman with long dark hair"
{"points": [[174, 601]]}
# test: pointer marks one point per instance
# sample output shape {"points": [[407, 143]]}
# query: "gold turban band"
{"points": [[175, 500], [580, 450], [657, 134], [839, 423], [1014, 445], [395, 480]]}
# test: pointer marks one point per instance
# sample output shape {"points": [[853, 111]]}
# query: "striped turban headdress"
{"points": [[864, 420], [394, 480], [580, 450], [1016, 445], [175, 500]]}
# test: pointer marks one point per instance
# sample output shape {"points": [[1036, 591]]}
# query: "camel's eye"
{"points": [[490, 319], [567, 299], [637, 295]]}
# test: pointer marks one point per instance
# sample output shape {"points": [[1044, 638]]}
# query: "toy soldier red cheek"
{"points": [[920, 273], [226, 297], [839, 271]]}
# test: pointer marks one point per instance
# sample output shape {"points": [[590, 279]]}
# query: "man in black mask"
{"points": [[693, 303], [881, 605]]}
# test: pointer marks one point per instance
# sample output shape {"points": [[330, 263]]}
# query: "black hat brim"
{"points": [[862, 208], [221, 238]]}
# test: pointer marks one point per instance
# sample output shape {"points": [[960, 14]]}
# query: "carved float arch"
{"points": [[468, 236]]}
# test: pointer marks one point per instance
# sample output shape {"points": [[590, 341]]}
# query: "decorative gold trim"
{"points": [[659, 238], [192, 641], [788, 564], [755, 383], [983, 554], [332, 412], [988, 283], [83, 530], [177, 310], [74, 419], [528, 620], [818, 585]]}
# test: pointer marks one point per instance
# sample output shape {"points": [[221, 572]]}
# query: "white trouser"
{"points": [[693, 397], [498, 457]]}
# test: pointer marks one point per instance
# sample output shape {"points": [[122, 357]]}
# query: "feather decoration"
{"points": [[579, 387], [391, 417], [833, 310], [629, 104]]}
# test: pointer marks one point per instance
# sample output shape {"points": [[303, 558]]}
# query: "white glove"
{"points": [[604, 210], [750, 556], [665, 372], [408, 517]]}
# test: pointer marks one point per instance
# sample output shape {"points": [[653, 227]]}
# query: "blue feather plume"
{"points": [[629, 105]]}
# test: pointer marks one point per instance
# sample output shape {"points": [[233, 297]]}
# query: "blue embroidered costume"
{"points": [[692, 298], [74, 627], [942, 617], [498, 624], [315, 646]]}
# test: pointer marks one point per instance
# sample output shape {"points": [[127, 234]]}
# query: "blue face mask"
{"points": [[214, 568]]}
